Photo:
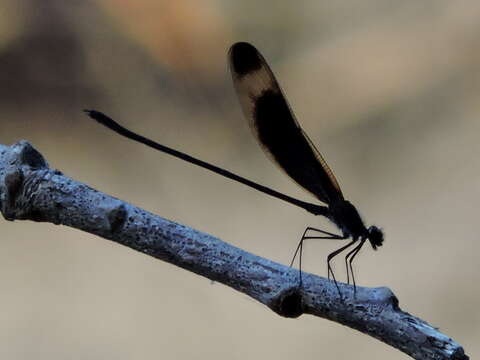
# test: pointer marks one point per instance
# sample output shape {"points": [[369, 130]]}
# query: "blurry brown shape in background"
{"points": [[42, 64], [183, 35]]}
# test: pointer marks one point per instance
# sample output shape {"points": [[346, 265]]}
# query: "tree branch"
{"points": [[30, 190]]}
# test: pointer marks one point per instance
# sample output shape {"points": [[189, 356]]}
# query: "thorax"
{"points": [[346, 217]]}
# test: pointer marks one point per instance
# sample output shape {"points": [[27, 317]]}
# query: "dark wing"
{"points": [[275, 126]]}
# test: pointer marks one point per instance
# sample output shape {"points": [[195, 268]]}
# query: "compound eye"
{"points": [[375, 236]]}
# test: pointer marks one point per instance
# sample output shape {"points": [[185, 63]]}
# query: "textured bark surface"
{"points": [[30, 190]]}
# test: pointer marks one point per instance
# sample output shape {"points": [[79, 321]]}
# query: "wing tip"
{"points": [[244, 58]]}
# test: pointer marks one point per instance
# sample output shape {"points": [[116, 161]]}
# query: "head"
{"points": [[375, 235]]}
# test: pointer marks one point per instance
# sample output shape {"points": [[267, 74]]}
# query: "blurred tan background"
{"points": [[388, 90]]}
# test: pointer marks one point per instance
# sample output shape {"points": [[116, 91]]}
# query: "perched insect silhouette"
{"points": [[285, 142]]}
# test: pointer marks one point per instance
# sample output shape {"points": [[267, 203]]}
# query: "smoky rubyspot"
{"points": [[285, 142]]}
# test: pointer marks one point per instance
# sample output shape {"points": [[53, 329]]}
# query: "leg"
{"points": [[333, 236], [298, 246], [299, 249], [331, 256], [357, 249], [300, 262], [330, 236]]}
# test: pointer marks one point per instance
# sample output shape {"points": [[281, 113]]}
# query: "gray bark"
{"points": [[30, 190]]}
